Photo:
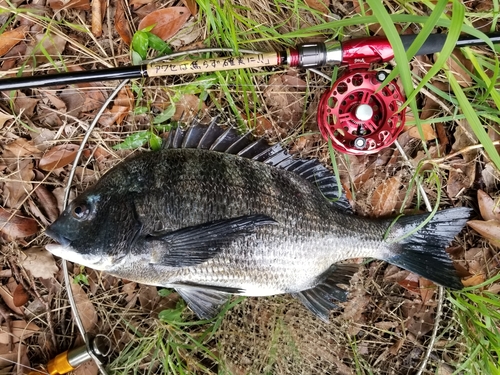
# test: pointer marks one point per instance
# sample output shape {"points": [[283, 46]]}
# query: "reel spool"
{"points": [[360, 117]]}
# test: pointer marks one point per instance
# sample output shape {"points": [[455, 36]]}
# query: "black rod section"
{"points": [[435, 42], [67, 78]]}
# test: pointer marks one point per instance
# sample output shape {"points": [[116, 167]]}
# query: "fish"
{"points": [[215, 214]]}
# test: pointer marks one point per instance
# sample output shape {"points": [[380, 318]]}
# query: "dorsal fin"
{"points": [[213, 137]]}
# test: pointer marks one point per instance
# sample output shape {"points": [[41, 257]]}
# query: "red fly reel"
{"points": [[360, 117]]}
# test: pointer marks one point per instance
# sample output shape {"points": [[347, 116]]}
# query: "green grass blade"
{"points": [[474, 121]]}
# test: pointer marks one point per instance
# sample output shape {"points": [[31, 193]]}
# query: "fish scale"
{"points": [[214, 214]]}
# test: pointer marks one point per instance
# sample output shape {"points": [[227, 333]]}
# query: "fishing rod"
{"points": [[358, 114]]}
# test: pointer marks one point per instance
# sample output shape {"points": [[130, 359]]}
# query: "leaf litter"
{"points": [[390, 313]]}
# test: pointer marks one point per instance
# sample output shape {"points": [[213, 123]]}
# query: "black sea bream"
{"points": [[214, 214]]}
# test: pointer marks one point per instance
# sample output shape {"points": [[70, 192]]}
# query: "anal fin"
{"points": [[205, 303], [319, 300]]}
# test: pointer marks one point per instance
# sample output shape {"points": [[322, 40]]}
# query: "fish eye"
{"points": [[80, 211]]}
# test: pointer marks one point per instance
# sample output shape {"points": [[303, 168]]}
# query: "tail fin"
{"points": [[424, 252]]}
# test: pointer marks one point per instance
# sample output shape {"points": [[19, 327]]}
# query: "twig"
{"points": [[439, 312], [459, 152], [419, 185]]}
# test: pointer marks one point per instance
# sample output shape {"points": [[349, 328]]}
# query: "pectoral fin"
{"points": [[194, 245], [205, 303]]}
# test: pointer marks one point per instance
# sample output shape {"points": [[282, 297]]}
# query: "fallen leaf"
{"points": [[10, 38], [421, 323], [58, 156], [427, 130], [411, 283], [427, 289], [138, 3], [285, 98], [190, 32], [86, 368], [456, 63], [461, 177], [20, 296], [489, 210], [16, 226], [18, 184], [168, 21], [9, 356], [121, 23], [59, 104], [39, 262], [6, 294], [490, 176], [69, 4], [192, 6], [319, 5], [474, 280], [97, 17], [385, 196], [24, 104], [488, 229], [86, 309], [148, 297], [22, 147], [47, 201], [188, 107], [46, 44], [4, 117], [21, 330]]}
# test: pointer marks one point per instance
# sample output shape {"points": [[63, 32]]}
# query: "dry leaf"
{"points": [[455, 63], [385, 197], [4, 117], [489, 210], [87, 368], [21, 330], [188, 107], [10, 38], [121, 23], [20, 296], [461, 177], [69, 4], [6, 294], [22, 147], [427, 130], [51, 44], [192, 6], [18, 185], [427, 289], [16, 226], [411, 283], [39, 262], [86, 309], [47, 201], [284, 95], [134, 4], [474, 280], [488, 229], [319, 5], [98, 12], [168, 21], [58, 156], [24, 104]]}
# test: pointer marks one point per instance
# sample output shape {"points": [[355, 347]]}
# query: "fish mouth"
{"points": [[57, 237]]}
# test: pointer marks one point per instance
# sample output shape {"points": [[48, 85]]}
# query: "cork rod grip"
{"points": [[212, 64]]}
